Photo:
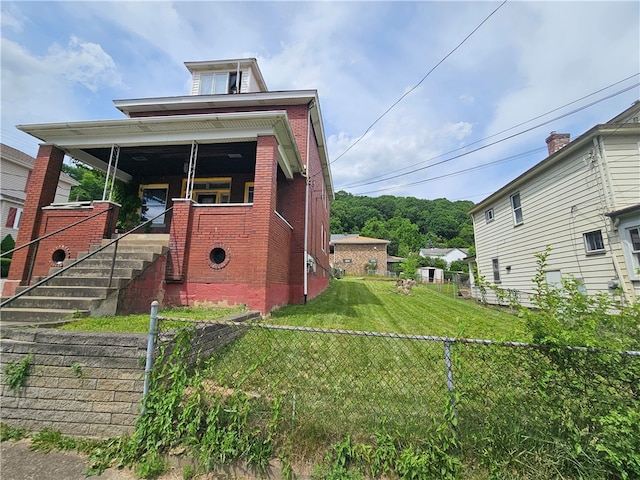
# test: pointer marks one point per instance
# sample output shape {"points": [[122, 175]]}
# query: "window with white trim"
{"points": [[495, 265], [516, 206], [631, 246], [593, 242], [13, 218], [219, 83], [488, 215], [553, 278]]}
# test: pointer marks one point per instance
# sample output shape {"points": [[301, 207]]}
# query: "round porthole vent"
{"points": [[218, 258]]}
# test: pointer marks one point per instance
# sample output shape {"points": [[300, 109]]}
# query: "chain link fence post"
{"points": [[450, 384], [151, 340]]}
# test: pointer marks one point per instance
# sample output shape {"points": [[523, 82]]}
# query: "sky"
{"points": [[449, 99]]}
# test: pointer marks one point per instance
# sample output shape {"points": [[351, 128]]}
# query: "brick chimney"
{"points": [[555, 141]]}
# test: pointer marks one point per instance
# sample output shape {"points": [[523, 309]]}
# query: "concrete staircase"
{"points": [[84, 289]]}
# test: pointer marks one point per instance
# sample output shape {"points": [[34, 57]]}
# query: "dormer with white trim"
{"points": [[224, 77]]}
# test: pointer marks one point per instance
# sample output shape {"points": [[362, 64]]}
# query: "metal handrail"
{"points": [[89, 255], [55, 232]]}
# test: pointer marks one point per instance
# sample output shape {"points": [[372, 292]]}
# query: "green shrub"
{"points": [[5, 263], [591, 390], [8, 243]]}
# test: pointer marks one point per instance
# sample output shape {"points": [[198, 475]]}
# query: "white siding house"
{"points": [[447, 254], [15, 167], [583, 201]]}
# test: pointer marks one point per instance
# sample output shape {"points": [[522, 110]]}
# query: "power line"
{"points": [[359, 183], [460, 172], [419, 83], [362, 184]]}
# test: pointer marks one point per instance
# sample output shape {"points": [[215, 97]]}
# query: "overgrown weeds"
{"points": [[16, 373]]}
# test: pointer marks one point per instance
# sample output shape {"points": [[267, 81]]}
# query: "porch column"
{"points": [[264, 206], [41, 191], [180, 232]]}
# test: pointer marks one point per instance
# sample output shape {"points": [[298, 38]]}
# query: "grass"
{"points": [[140, 323], [375, 305], [353, 304]]}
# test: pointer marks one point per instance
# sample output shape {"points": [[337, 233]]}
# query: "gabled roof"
{"points": [[358, 240], [625, 123], [441, 252], [19, 157]]}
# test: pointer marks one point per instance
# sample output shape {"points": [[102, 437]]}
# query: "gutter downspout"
{"points": [[605, 178], [306, 211]]}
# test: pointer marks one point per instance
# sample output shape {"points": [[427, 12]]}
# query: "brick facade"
{"points": [[265, 253], [353, 258]]}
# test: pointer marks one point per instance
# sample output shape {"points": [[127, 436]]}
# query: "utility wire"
{"points": [[360, 183], [460, 172], [419, 83]]}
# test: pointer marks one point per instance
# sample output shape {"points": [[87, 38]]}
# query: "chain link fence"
{"points": [[501, 399]]}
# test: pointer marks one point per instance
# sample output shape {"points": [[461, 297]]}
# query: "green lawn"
{"points": [[375, 305]]}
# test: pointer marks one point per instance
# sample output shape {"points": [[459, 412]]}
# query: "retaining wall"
{"points": [[87, 384]]}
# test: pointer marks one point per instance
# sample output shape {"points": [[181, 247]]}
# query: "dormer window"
{"points": [[220, 83]]}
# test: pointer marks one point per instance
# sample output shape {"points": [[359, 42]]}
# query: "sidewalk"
{"points": [[17, 462]]}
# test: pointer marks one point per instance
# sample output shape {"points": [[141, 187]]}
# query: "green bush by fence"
{"points": [[470, 407]]}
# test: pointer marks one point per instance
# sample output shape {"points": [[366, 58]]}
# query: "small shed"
{"points": [[430, 275]]}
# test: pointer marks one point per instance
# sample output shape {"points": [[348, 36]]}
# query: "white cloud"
{"points": [[12, 19], [527, 59], [83, 62]]}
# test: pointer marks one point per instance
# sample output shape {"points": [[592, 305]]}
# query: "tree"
{"points": [[91, 187], [459, 266]]}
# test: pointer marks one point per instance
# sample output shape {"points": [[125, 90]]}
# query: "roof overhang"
{"points": [[75, 138], [624, 211], [605, 130], [133, 107], [229, 65]]}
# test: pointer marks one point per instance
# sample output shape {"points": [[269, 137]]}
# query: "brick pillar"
{"points": [[179, 234], [264, 204], [106, 223], [41, 191]]}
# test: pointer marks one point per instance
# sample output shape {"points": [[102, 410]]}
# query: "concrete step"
{"points": [[105, 264], [54, 303], [80, 271], [65, 291], [40, 316], [123, 254], [72, 280], [85, 288]]}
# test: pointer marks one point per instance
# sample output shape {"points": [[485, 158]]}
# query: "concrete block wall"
{"points": [[88, 384], [80, 383]]}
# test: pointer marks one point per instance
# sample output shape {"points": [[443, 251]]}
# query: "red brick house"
{"points": [[240, 172]]}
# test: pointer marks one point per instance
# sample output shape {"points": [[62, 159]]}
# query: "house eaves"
{"points": [[242, 100], [359, 241], [75, 137], [586, 138]]}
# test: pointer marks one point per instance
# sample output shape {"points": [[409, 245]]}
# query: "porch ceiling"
{"points": [[153, 160], [167, 138]]}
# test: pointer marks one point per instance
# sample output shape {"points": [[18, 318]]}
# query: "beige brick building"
{"points": [[358, 255]]}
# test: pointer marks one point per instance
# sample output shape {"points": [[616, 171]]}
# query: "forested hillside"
{"points": [[409, 223]]}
